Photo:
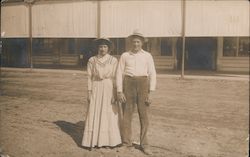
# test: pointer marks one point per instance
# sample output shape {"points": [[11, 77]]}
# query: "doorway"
{"points": [[200, 53]]}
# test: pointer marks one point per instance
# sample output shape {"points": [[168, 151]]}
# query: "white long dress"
{"points": [[101, 125]]}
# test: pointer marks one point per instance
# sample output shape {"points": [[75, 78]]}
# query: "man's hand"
{"points": [[113, 100], [89, 95], [121, 97], [148, 100]]}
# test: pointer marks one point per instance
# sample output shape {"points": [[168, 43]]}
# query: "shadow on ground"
{"points": [[75, 131]]}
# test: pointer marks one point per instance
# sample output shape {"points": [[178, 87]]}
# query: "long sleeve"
{"points": [[115, 62], [119, 74], [152, 74], [89, 73]]}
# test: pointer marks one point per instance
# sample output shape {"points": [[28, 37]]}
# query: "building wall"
{"points": [[119, 18], [14, 21], [152, 18], [156, 19], [217, 18], [63, 20], [234, 64]]}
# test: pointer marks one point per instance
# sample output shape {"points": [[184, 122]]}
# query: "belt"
{"points": [[135, 76]]}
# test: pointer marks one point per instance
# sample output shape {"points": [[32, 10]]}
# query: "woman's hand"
{"points": [[114, 97]]}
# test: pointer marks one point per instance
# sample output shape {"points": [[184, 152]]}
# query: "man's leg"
{"points": [[143, 115], [130, 92], [143, 112]]}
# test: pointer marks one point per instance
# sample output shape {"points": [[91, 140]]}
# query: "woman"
{"points": [[101, 127]]}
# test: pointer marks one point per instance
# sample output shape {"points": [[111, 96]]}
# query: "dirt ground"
{"points": [[43, 111]]}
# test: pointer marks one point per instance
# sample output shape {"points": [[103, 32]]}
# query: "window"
{"points": [[244, 44], [84, 46], [15, 52], [159, 46], [152, 46], [236, 46], [45, 46], [67, 46], [166, 46], [229, 46], [119, 46]]}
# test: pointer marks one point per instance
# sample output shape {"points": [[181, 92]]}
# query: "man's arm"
{"points": [[152, 79], [119, 79], [152, 74], [119, 74]]}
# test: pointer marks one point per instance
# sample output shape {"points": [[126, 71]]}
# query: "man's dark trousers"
{"points": [[136, 92]]}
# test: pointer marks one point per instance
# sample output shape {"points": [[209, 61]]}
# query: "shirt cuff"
{"points": [[152, 89], [119, 89]]}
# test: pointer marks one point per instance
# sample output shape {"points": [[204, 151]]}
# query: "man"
{"points": [[136, 80]]}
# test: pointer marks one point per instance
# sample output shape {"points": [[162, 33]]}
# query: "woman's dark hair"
{"points": [[99, 42]]}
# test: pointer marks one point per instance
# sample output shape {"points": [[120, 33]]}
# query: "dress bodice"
{"points": [[102, 67]]}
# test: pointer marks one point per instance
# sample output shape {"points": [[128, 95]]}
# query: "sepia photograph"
{"points": [[124, 78]]}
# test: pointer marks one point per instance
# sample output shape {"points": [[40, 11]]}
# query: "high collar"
{"points": [[102, 57], [132, 53]]}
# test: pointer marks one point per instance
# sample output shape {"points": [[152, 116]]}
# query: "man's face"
{"points": [[136, 44]]}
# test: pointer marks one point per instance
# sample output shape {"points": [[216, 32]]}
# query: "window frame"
{"points": [[237, 47]]}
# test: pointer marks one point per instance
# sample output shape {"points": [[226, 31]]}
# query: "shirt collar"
{"points": [[103, 57], [141, 51]]}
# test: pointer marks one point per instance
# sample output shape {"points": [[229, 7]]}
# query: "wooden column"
{"points": [[30, 35], [183, 37], [98, 18], [30, 3], [219, 53]]}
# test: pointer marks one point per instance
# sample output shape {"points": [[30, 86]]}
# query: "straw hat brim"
{"points": [[132, 36]]}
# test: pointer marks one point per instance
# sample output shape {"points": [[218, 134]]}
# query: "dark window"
{"points": [[67, 46], [166, 46], [159, 46], [45, 46], [244, 46], [119, 46], [229, 46], [15, 52], [152, 46], [84, 46], [236, 46]]}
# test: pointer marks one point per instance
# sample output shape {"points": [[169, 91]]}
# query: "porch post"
{"points": [[98, 18], [30, 2], [183, 37]]}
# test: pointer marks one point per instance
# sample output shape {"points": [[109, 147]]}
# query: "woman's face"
{"points": [[103, 49]]}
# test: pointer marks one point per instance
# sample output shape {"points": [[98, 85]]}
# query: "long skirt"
{"points": [[102, 124]]}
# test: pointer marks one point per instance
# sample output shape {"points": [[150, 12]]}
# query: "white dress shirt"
{"points": [[136, 64]]}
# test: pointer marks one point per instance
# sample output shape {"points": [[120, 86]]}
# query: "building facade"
{"points": [[216, 32]]}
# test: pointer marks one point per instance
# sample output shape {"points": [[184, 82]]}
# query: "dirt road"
{"points": [[42, 115]]}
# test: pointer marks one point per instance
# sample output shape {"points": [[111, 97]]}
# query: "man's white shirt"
{"points": [[136, 64]]}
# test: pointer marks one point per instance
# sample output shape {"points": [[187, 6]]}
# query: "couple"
{"points": [[129, 82]]}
